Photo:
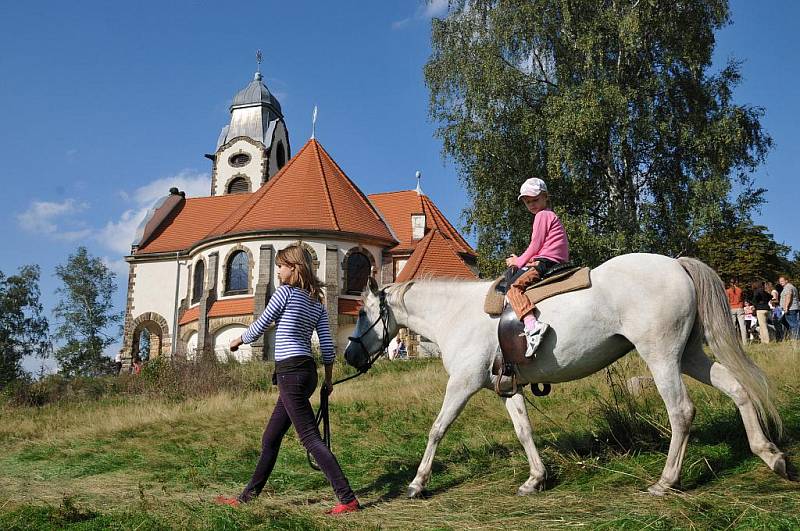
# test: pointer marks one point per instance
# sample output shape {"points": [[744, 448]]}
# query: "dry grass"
{"points": [[152, 462]]}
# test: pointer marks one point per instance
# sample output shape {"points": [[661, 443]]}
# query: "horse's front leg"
{"points": [[522, 425], [459, 391]]}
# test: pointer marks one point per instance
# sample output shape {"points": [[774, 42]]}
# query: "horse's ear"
{"points": [[373, 285]]}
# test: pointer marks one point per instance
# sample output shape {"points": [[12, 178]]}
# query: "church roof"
{"points": [[397, 208], [310, 193], [435, 255], [220, 308], [191, 222], [256, 93]]}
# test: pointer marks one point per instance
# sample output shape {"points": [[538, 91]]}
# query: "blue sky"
{"points": [[105, 105]]}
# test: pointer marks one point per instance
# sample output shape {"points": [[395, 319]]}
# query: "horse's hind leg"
{"points": [[667, 376], [522, 425], [697, 365], [459, 391]]}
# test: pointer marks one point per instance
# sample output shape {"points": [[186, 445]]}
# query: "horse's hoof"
{"points": [[414, 491], [658, 489], [531, 486], [779, 466]]}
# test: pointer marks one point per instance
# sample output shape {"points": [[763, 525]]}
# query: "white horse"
{"points": [[657, 305]]}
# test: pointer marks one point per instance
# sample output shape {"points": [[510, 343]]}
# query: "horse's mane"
{"points": [[396, 292]]}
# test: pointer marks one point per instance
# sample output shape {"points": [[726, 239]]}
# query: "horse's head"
{"points": [[375, 328]]}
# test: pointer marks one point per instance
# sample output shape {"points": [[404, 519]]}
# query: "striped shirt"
{"points": [[297, 316]]}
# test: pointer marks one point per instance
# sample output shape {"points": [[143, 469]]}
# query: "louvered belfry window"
{"points": [[239, 185], [238, 273]]}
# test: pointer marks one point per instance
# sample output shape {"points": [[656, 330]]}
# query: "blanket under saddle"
{"points": [[561, 282]]}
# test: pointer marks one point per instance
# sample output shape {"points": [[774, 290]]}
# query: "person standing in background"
{"points": [[736, 303], [791, 307], [761, 301]]}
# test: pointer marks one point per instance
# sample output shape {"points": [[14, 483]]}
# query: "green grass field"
{"points": [[156, 460]]}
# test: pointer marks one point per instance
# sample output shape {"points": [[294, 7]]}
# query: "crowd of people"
{"points": [[765, 311]]}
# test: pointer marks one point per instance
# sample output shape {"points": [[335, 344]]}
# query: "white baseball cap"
{"points": [[532, 187]]}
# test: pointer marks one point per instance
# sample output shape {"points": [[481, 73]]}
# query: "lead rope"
{"points": [[323, 413]]}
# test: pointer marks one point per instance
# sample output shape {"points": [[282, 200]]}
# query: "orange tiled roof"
{"points": [[192, 222], [220, 308], [228, 307], [311, 193], [435, 256], [349, 306], [397, 208], [190, 315]]}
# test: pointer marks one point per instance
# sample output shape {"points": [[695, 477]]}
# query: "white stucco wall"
{"points": [[222, 341], [252, 169], [154, 289], [191, 346]]}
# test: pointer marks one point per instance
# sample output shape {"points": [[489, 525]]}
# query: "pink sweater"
{"points": [[548, 240]]}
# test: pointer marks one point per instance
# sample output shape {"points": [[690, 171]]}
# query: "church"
{"points": [[201, 269]]}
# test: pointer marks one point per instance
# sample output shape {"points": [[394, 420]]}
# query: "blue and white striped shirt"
{"points": [[297, 316]]}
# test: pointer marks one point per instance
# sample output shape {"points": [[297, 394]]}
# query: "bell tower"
{"points": [[254, 146]]}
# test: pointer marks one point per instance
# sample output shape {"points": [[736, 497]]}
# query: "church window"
{"points": [[239, 185], [199, 280], [357, 270], [280, 155], [238, 273], [239, 159]]}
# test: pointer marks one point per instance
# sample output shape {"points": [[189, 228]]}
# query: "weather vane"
{"points": [[259, 58]]}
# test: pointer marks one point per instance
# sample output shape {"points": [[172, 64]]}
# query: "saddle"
{"points": [[513, 345]]}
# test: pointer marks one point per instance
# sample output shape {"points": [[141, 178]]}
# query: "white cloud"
{"points": [[425, 11], [118, 266], [60, 220], [435, 8], [48, 218], [118, 235], [193, 183]]}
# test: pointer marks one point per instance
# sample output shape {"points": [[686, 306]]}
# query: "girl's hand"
{"points": [[511, 260], [328, 385], [235, 344]]}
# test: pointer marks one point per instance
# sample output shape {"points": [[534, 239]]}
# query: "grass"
{"points": [[154, 460]]}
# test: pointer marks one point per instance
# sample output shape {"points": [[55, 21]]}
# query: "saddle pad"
{"points": [[557, 284]]}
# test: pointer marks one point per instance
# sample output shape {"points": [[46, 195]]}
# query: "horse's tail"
{"points": [[714, 315]]}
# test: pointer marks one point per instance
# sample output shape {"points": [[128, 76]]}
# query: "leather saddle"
{"points": [[560, 279]]}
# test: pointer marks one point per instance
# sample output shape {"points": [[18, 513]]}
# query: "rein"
{"points": [[323, 413]]}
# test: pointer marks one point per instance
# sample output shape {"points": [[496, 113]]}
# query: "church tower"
{"points": [[254, 145]]}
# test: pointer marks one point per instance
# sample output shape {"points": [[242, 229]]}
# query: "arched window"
{"points": [[238, 185], [199, 280], [237, 275], [357, 269], [280, 155]]}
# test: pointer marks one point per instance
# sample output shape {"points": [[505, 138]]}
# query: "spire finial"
{"points": [[314, 123], [418, 176], [259, 58]]}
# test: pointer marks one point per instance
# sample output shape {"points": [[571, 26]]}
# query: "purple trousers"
{"points": [[294, 408]]}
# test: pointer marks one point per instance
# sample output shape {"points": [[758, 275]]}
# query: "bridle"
{"points": [[383, 319]]}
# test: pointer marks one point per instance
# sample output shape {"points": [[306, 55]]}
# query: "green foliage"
{"points": [[612, 103], [745, 251], [23, 328], [85, 312]]}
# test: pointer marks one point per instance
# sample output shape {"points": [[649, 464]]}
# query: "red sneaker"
{"points": [[225, 500], [342, 508]]}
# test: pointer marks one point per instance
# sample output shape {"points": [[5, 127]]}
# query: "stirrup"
{"points": [[506, 394]]}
